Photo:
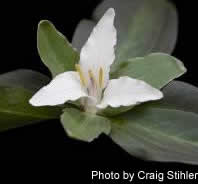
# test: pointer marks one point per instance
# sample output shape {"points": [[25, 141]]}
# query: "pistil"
{"points": [[94, 88], [92, 79]]}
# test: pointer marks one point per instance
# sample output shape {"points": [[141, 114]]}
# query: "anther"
{"points": [[82, 78], [101, 77]]}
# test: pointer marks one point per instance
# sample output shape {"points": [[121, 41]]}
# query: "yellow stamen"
{"points": [[92, 78], [82, 78], [101, 78]]}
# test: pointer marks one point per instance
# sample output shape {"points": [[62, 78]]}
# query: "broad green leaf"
{"points": [[84, 126], [16, 88], [162, 131], [143, 26], [24, 78], [157, 133], [157, 69], [15, 111], [181, 95], [54, 49]]}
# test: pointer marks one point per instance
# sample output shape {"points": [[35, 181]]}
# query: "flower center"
{"points": [[94, 85]]}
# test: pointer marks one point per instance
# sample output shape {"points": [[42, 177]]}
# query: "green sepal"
{"points": [[157, 69], [84, 126], [54, 49]]}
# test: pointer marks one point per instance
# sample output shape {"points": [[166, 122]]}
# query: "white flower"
{"points": [[91, 82]]}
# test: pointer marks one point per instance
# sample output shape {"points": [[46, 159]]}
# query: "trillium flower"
{"points": [[90, 82]]}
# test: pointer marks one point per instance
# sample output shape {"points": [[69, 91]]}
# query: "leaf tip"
{"points": [[44, 23], [181, 65]]}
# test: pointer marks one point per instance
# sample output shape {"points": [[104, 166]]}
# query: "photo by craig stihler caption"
{"points": [[130, 177]]}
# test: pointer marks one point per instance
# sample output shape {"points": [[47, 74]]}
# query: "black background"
{"points": [[47, 140]]}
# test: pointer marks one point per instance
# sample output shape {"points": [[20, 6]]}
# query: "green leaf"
{"points": [[16, 88], [84, 126], [54, 49], [24, 78], [181, 95], [143, 26], [164, 131], [157, 133], [157, 69]]}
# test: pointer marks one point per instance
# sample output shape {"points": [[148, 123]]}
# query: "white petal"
{"points": [[98, 51], [126, 91], [63, 87]]}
